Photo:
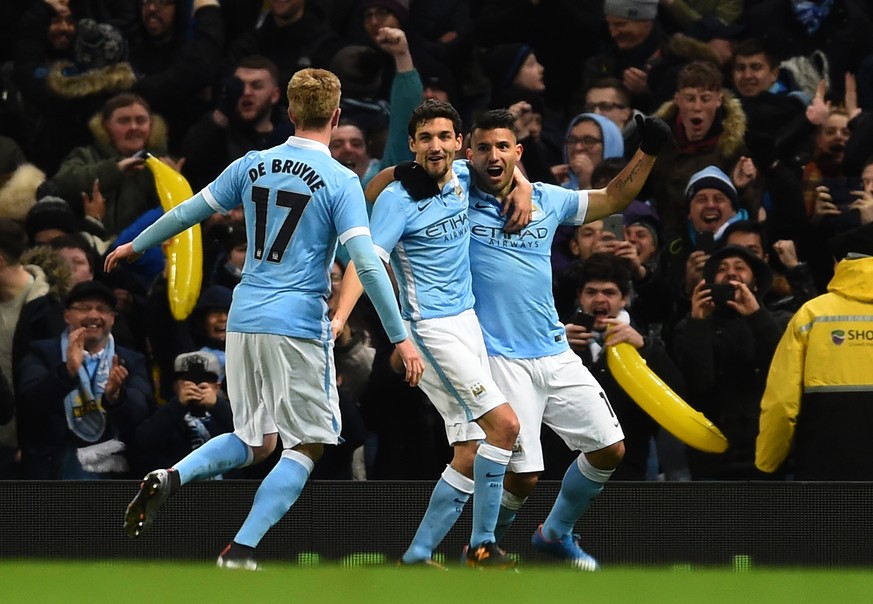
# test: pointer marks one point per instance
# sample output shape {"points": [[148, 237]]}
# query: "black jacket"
{"points": [[43, 382], [725, 359], [167, 436]]}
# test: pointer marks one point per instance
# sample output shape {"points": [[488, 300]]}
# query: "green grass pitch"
{"points": [[124, 582]]}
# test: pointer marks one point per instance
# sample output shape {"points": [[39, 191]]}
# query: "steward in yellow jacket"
{"points": [[819, 393]]}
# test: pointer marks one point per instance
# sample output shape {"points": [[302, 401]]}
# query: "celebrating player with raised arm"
{"points": [[528, 352]]}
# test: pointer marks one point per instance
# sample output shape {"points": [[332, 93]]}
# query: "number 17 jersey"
{"points": [[298, 201]]}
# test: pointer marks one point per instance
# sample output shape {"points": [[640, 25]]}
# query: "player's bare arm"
{"points": [[351, 291], [627, 184], [378, 183], [122, 252]]}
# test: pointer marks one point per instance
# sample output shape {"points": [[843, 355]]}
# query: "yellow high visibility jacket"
{"points": [[819, 394]]}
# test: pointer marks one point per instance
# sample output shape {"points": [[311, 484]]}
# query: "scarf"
{"points": [[86, 417], [742, 214], [810, 14], [595, 344]]}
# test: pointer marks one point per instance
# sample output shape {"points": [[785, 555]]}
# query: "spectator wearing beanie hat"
{"points": [[723, 347], [228, 269], [636, 41], [711, 177], [639, 214], [710, 204], [439, 84], [50, 217], [507, 65], [540, 141], [516, 74], [631, 10], [652, 302], [400, 9], [205, 330]]}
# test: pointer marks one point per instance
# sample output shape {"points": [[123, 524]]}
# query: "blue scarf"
{"points": [[86, 417], [810, 14], [742, 214]]}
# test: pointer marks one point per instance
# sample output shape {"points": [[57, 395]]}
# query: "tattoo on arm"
{"points": [[628, 180]]}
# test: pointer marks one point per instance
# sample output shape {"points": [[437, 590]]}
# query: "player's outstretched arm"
{"points": [[122, 252], [627, 184], [185, 215]]}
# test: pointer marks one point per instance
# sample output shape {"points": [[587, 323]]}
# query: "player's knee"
{"points": [[505, 433], [263, 452], [313, 451], [508, 423], [501, 426], [521, 485], [607, 458]]}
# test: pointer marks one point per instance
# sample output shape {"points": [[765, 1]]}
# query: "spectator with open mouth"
{"points": [[709, 127]]}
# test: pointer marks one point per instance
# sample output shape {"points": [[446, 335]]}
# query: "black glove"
{"points": [[231, 90], [415, 179], [654, 133]]}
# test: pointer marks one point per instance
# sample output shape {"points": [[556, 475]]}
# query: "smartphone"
{"points": [[614, 223], [705, 242], [583, 319], [721, 293], [840, 189]]}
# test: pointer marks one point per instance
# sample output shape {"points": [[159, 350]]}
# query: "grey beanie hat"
{"points": [[633, 10]]}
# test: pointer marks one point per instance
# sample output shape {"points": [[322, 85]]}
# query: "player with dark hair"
{"points": [[420, 225], [527, 345]]}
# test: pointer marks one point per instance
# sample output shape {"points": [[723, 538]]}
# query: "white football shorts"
{"points": [[560, 392], [285, 385], [457, 378]]}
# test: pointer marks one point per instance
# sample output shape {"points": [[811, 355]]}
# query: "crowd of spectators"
{"points": [[771, 108]]}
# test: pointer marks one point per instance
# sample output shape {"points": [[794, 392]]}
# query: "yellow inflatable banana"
{"points": [[185, 250], [658, 400]]}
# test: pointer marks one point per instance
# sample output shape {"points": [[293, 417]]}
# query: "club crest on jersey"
{"points": [[477, 390]]}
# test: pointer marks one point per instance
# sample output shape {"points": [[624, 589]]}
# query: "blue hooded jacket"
{"points": [[613, 141]]}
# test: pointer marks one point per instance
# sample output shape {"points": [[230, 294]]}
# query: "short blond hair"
{"points": [[313, 96]]}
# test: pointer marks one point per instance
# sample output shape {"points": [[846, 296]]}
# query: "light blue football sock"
{"points": [[489, 467], [277, 493], [509, 506], [446, 504], [216, 456], [581, 485]]}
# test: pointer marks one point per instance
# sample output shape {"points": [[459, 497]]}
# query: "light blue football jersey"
{"points": [[298, 202], [512, 273], [427, 243]]}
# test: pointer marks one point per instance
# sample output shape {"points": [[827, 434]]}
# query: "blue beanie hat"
{"points": [[711, 178]]}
